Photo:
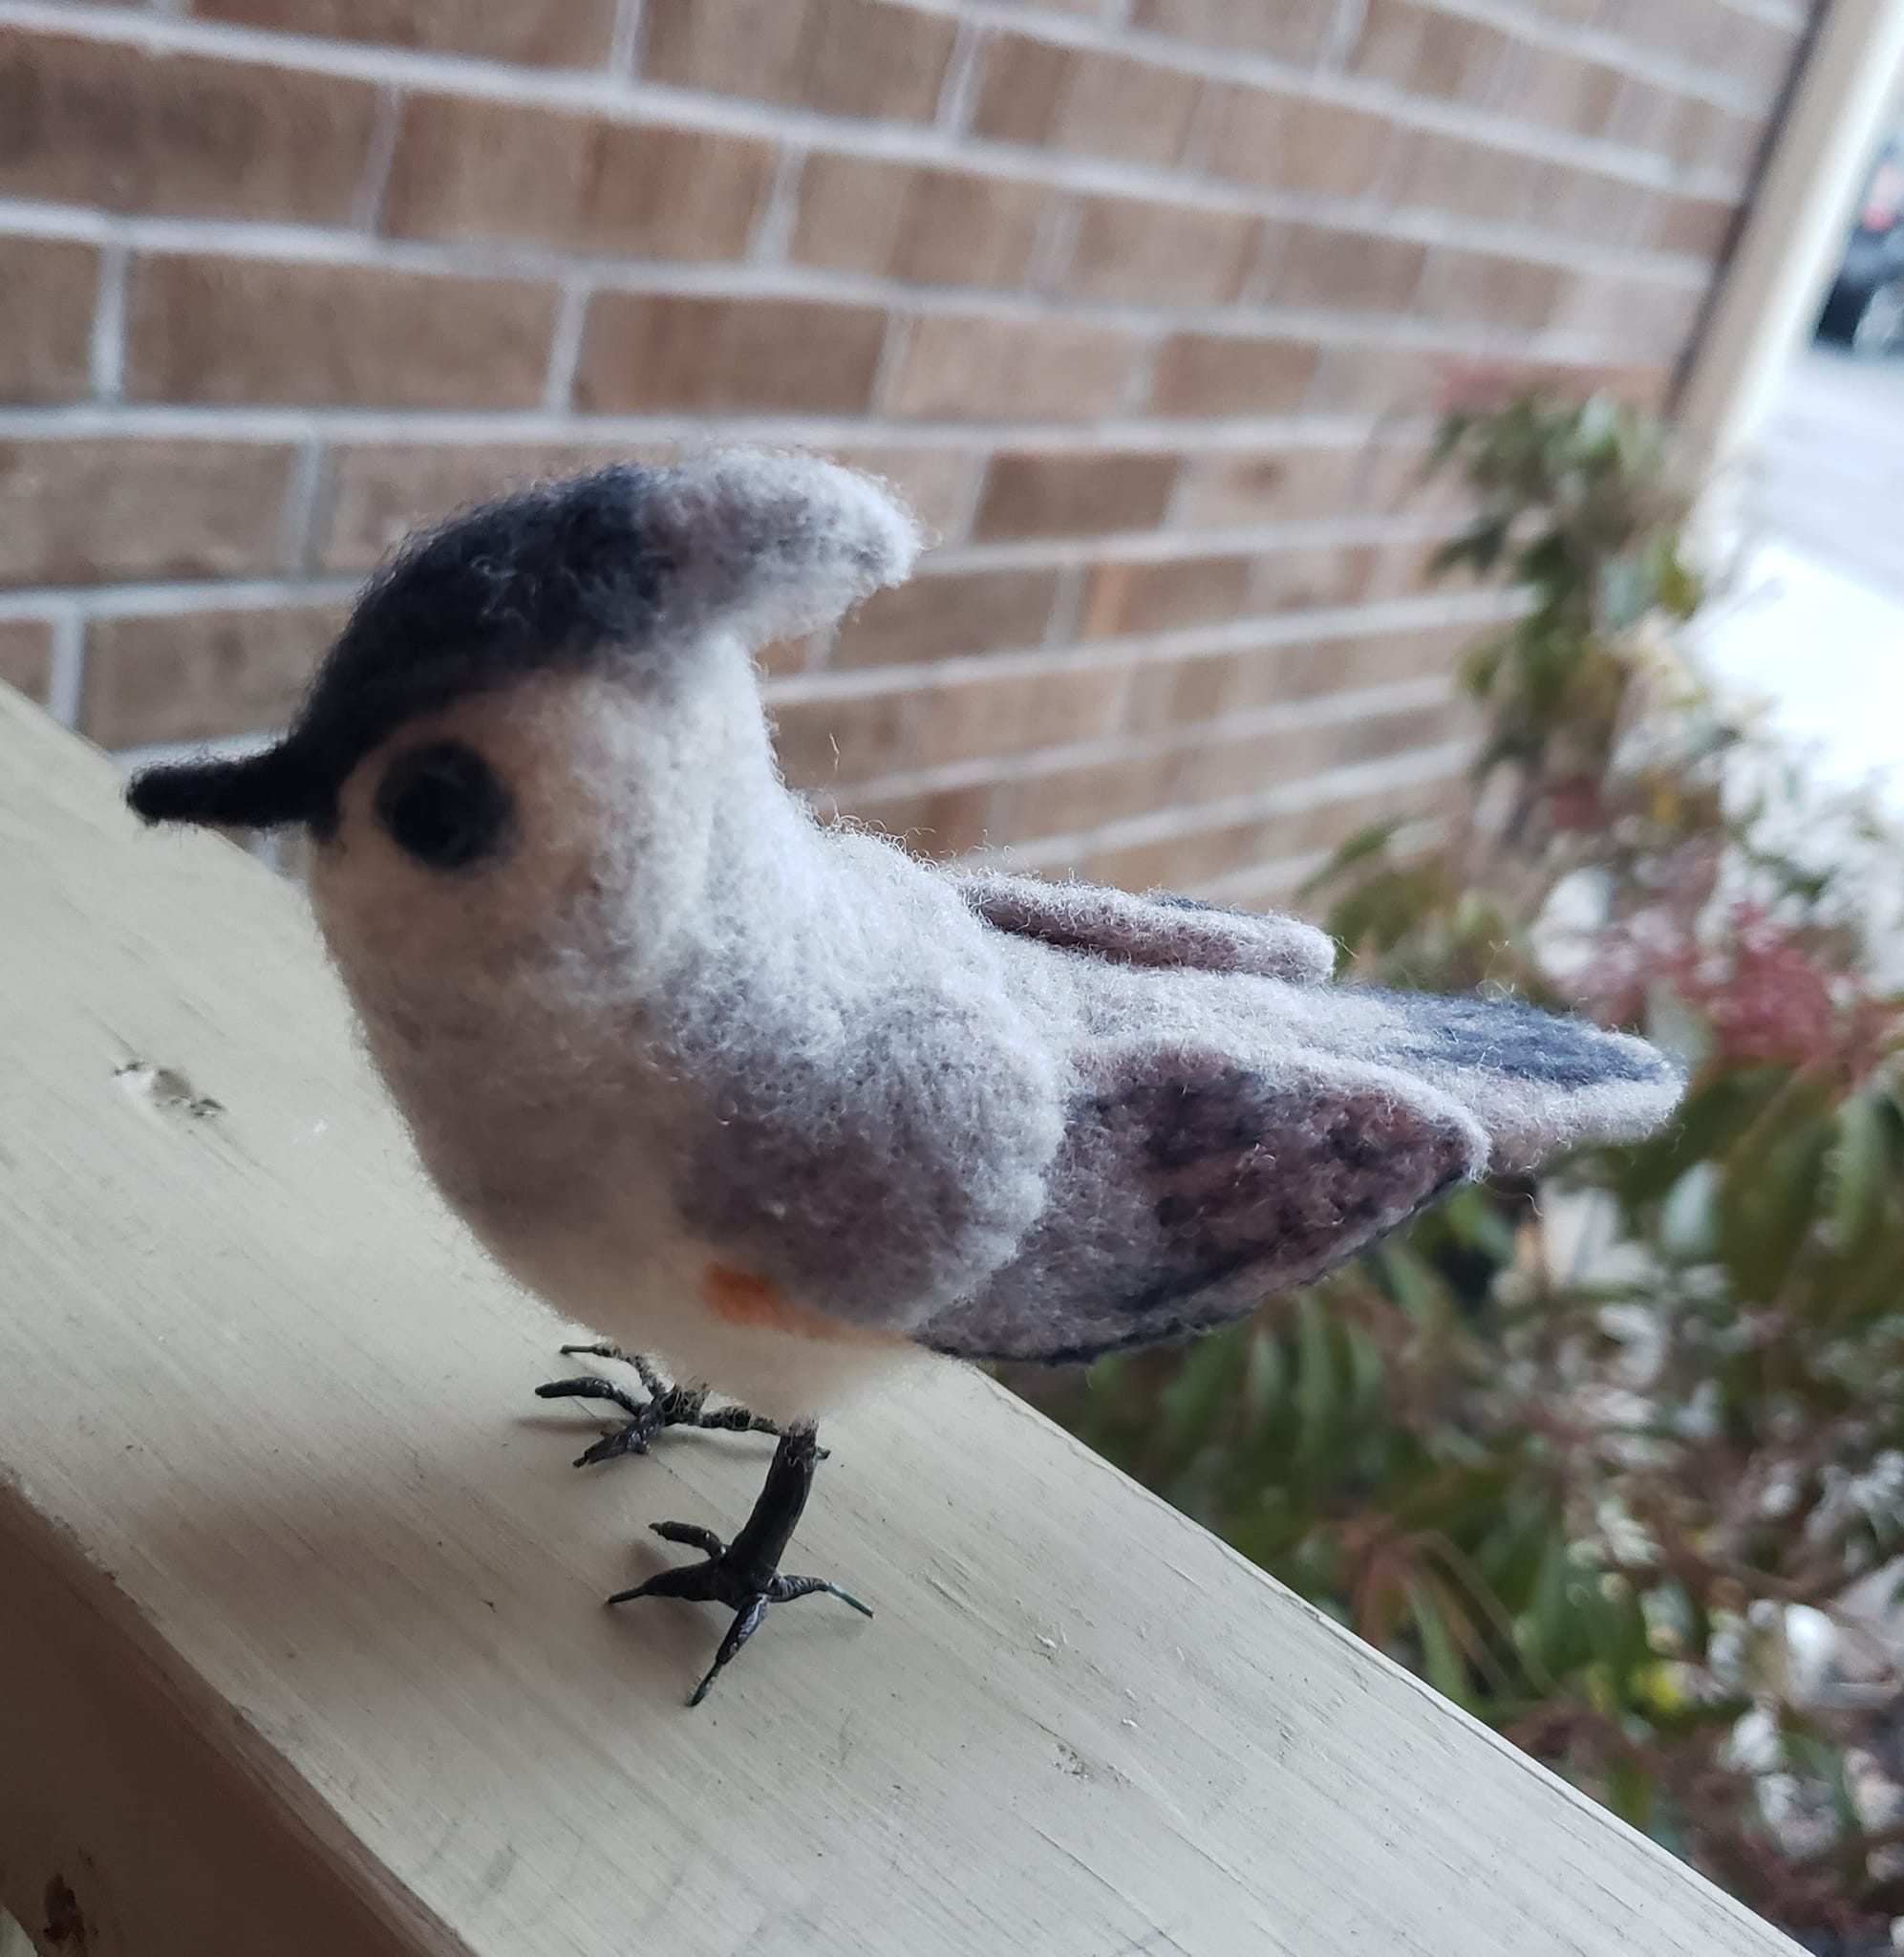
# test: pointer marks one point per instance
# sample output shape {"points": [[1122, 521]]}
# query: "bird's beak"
{"points": [[264, 790]]}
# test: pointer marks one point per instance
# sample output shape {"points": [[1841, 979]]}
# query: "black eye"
{"points": [[443, 804]]}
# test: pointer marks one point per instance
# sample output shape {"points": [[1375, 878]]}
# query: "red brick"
{"points": [[1756, 53], [234, 330], [46, 293], [844, 58], [86, 122], [1556, 91], [1601, 208], [930, 821], [1404, 569], [1702, 133], [1176, 693], [1428, 52], [1312, 832], [1308, 576], [944, 615], [1639, 113], [1381, 379], [1248, 763], [848, 739], [26, 656], [1070, 800], [467, 168], [196, 676], [1702, 227], [1174, 861], [1488, 288], [1080, 98], [939, 484], [1277, 486], [1634, 309], [1203, 373], [1288, 30], [1029, 494], [1441, 172], [913, 221], [375, 494], [1123, 600], [959, 366], [560, 34], [653, 350], [1687, 29], [1016, 713], [1312, 267], [1159, 254], [1278, 673], [1298, 143], [96, 510]]}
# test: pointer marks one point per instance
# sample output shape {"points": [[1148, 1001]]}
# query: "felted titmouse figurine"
{"points": [[776, 1105]]}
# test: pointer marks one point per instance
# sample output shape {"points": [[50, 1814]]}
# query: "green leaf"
{"points": [[1318, 1391], [1365, 842], [1441, 1657], [1689, 1216], [1625, 593], [1630, 1792], [1768, 1198], [1209, 1376], [1268, 1379], [1859, 1163], [1679, 590]]}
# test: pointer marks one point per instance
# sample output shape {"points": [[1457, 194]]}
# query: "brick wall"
{"points": [[1145, 302]]}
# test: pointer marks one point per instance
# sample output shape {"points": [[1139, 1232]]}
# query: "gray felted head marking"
{"points": [[677, 1022], [621, 567]]}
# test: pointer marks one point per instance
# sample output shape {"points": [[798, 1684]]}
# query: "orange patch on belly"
{"points": [[743, 1299]]}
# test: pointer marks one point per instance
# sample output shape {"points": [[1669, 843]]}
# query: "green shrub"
{"points": [[1599, 1455]]}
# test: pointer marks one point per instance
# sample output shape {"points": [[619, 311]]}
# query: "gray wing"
{"points": [[1537, 1081], [1157, 929], [1189, 1187]]}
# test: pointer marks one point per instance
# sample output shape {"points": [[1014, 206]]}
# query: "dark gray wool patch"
{"points": [[548, 577]]}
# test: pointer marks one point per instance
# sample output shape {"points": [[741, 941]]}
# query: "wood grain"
{"points": [[302, 1644]]}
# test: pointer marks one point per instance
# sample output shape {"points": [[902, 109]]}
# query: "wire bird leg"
{"points": [[665, 1406], [745, 1575]]}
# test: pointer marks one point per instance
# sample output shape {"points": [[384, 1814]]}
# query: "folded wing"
{"points": [[1189, 1187], [1157, 929]]}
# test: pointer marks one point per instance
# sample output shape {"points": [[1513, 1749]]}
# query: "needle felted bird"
{"points": [[775, 1106]]}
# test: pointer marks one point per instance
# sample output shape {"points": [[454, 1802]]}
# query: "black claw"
{"points": [[665, 1407], [692, 1534], [745, 1575]]}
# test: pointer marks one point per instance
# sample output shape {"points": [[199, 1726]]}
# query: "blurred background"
{"points": [[1147, 307], [1433, 464]]}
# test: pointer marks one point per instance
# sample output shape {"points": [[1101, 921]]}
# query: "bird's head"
{"points": [[536, 690]]}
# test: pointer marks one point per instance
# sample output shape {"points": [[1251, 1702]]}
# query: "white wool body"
{"points": [[777, 1105], [581, 1042]]}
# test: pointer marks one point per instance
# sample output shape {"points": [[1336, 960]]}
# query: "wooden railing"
{"points": [[300, 1645]]}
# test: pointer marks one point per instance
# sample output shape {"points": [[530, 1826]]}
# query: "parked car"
{"points": [[1864, 307]]}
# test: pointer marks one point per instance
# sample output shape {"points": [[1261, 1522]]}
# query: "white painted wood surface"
{"points": [[300, 1645]]}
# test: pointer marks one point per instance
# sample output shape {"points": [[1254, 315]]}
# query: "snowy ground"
{"points": [[1813, 621]]}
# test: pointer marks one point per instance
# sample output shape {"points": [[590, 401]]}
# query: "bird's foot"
{"points": [[745, 1575], [666, 1405]]}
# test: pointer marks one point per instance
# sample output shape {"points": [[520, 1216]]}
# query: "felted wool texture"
{"points": [[624, 566], [673, 1028], [1159, 928]]}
